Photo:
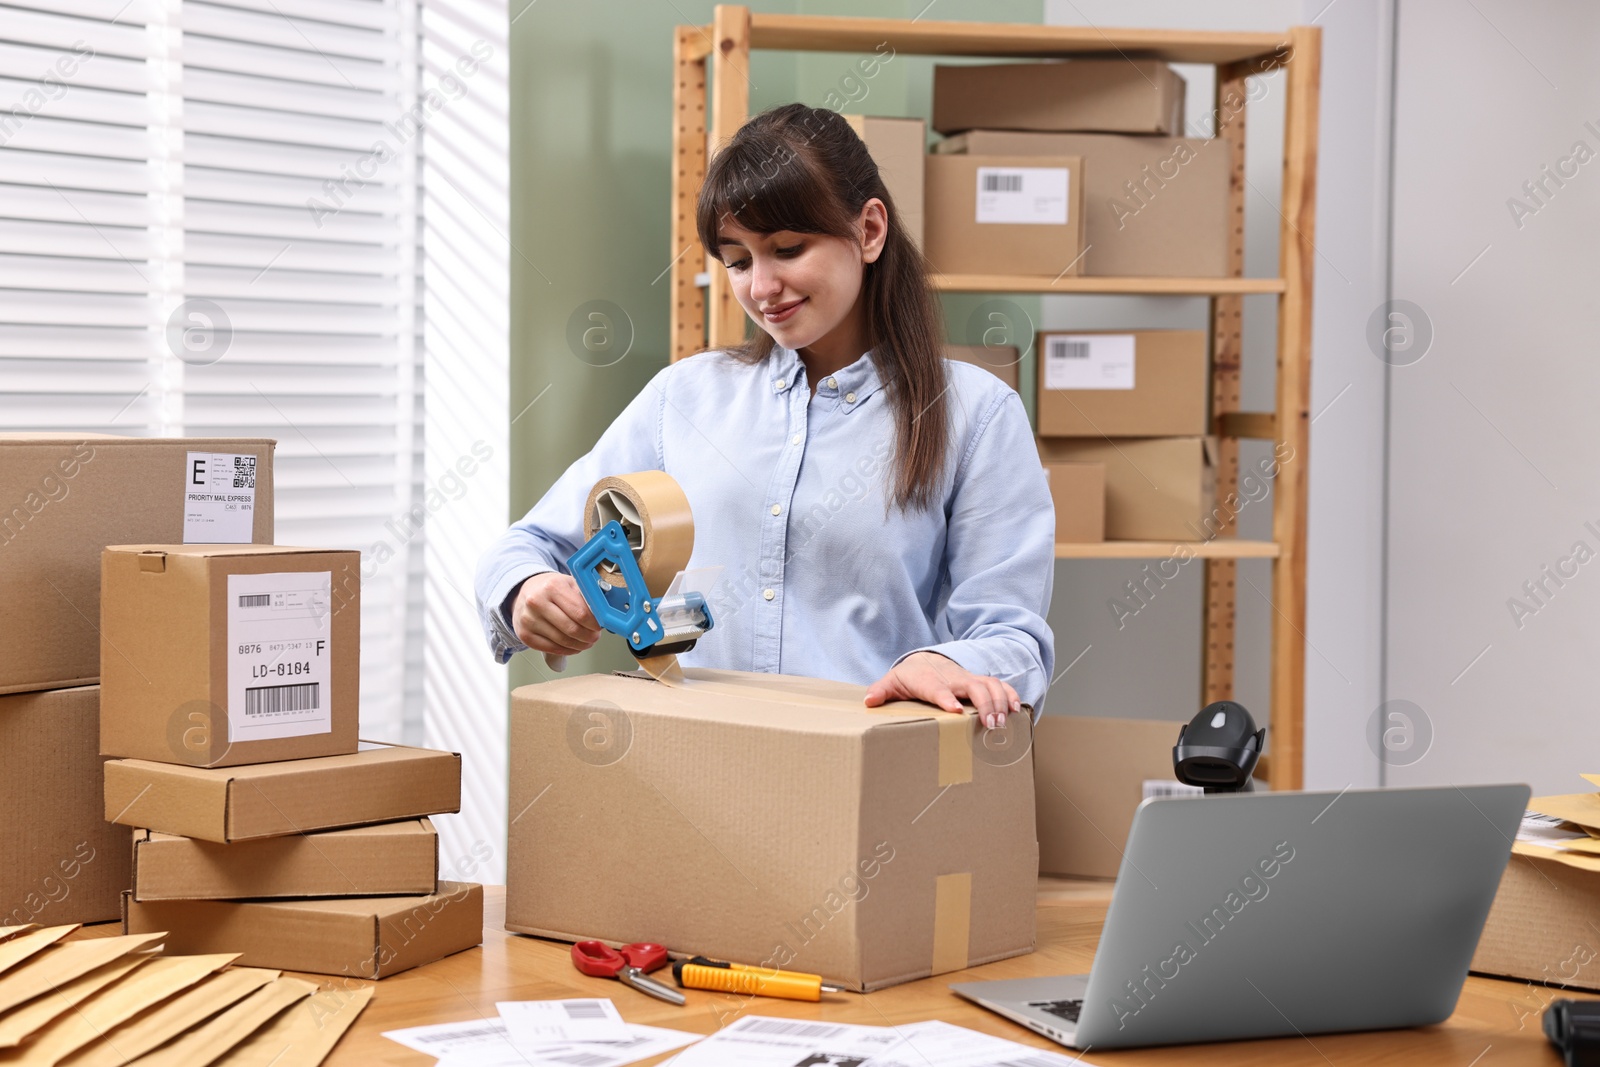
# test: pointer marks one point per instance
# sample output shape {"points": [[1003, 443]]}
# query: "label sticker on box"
{"points": [[1023, 195], [219, 499], [1088, 361], [279, 654]]}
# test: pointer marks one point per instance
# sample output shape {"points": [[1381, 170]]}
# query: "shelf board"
{"points": [[1029, 283], [1221, 548], [814, 33]]}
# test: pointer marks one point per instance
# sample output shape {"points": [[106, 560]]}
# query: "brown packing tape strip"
{"points": [[654, 502], [955, 731], [952, 921], [305, 1034]]}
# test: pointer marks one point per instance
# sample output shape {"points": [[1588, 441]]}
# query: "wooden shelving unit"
{"points": [[724, 47]]}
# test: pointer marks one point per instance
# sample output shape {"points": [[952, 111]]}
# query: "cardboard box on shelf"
{"points": [[1079, 492], [1157, 488], [1123, 383], [63, 862], [1152, 206], [823, 841], [1005, 215], [380, 783], [356, 937], [219, 655], [1089, 776], [898, 146], [1000, 360], [1119, 95], [385, 859], [64, 497]]}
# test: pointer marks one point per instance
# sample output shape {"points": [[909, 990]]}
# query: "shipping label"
{"points": [[1023, 195], [219, 499], [280, 652], [1088, 361]]}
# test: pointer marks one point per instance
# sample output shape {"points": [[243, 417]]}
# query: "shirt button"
{"points": [[830, 383], [780, 383], [777, 509], [768, 594], [849, 398], [796, 439]]}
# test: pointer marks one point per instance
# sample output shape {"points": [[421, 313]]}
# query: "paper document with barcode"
{"points": [[279, 654], [760, 1041], [1089, 361], [532, 1023], [939, 1044]]}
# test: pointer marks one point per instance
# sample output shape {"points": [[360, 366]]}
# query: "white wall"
{"points": [[1493, 449], [1151, 667]]}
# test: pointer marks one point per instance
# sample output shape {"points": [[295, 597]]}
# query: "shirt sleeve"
{"points": [[552, 530], [1000, 555]]}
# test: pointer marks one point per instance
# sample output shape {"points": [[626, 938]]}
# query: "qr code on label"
{"points": [[244, 472]]}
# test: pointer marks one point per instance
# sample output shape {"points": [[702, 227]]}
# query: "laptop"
{"points": [[1274, 914]]}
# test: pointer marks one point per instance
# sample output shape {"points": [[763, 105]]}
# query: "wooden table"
{"points": [[1496, 1022]]}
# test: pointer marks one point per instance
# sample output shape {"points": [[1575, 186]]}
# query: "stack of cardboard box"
{"points": [[1079, 167], [231, 690], [1074, 167], [63, 498]]}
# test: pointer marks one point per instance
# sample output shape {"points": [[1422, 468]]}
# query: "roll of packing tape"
{"points": [[654, 515]]}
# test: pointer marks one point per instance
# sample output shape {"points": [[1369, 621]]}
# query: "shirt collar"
{"points": [[849, 385]]}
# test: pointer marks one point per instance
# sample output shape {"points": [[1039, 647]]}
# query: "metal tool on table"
{"points": [[629, 965], [640, 534], [701, 973]]}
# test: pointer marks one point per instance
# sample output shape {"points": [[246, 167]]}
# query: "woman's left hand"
{"points": [[943, 682]]}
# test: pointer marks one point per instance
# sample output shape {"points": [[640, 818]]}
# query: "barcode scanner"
{"points": [[1218, 749]]}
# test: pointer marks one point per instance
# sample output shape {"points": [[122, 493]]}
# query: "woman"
{"points": [[881, 515]]}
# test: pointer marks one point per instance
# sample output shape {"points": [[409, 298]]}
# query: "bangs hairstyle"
{"points": [[804, 170]]}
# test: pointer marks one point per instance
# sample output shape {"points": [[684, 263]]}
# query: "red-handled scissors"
{"points": [[628, 965]]}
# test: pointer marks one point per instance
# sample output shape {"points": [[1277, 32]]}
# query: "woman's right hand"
{"points": [[550, 615]]}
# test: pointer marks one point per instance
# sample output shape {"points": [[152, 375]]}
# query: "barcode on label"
{"points": [[1156, 787], [244, 472], [1061, 348], [580, 1059], [256, 600], [584, 1009], [1002, 183], [778, 1026], [494, 1029], [1540, 819], [277, 699]]}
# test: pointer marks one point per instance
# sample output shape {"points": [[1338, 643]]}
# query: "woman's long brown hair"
{"points": [[804, 170]]}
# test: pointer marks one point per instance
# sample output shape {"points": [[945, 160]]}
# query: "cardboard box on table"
{"points": [[1543, 925], [64, 497], [767, 819], [385, 859], [1000, 360], [1089, 776], [1123, 383], [380, 783], [358, 937], [1116, 95], [1157, 488], [60, 860], [1005, 215], [1152, 206], [897, 146], [220, 655]]}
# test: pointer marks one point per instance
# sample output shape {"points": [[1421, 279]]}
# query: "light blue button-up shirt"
{"points": [[790, 492]]}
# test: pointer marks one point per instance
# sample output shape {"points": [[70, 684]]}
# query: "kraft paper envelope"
{"points": [[36, 1014], [216, 1036], [60, 964], [304, 1035]]}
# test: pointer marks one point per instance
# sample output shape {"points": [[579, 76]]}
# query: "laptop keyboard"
{"points": [[1061, 1009]]}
